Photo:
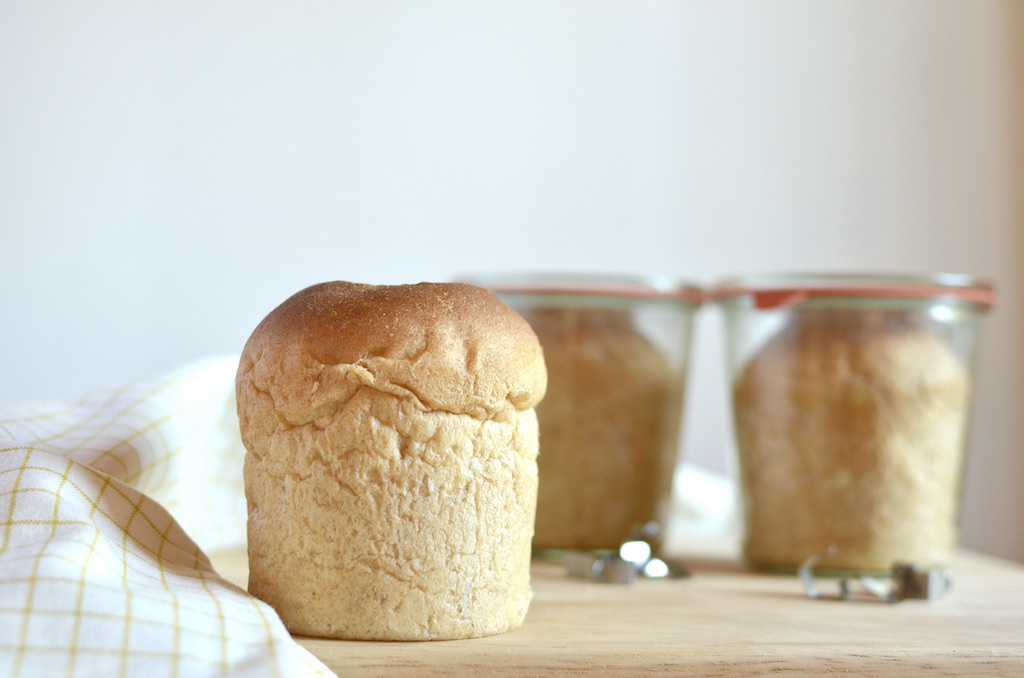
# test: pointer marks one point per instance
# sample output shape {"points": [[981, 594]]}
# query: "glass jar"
{"points": [[851, 398], [616, 349]]}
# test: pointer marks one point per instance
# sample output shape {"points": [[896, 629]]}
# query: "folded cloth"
{"points": [[104, 504]]}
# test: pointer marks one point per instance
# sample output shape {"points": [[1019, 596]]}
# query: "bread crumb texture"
{"points": [[391, 472], [851, 429]]}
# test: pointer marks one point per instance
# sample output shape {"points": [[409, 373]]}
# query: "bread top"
{"points": [[451, 347]]}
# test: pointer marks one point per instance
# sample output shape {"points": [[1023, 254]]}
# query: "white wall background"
{"points": [[171, 171]]}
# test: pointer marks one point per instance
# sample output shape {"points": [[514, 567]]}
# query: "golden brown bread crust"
{"points": [[391, 468], [453, 347]]}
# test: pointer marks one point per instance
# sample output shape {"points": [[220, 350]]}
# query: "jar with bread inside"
{"points": [[616, 348], [851, 400]]}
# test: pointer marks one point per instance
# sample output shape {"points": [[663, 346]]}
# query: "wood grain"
{"points": [[724, 621]]}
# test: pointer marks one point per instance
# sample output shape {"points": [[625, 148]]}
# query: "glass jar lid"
{"points": [[611, 286], [783, 290]]}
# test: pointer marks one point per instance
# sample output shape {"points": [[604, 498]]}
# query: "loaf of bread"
{"points": [[609, 423], [851, 427], [391, 466]]}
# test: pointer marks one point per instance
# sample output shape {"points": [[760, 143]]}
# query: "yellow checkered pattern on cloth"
{"points": [[97, 578]]}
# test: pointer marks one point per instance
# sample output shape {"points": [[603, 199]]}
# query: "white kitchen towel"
{"points": [[107, 506]]}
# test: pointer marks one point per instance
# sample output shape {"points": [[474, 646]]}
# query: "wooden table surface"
{"points": [[723, 621]]}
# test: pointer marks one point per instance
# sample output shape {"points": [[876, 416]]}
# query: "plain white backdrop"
{"points": [[169, 172]]}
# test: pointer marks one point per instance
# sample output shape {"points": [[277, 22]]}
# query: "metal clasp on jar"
{"points": [[906, 582], [638, 556]]}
